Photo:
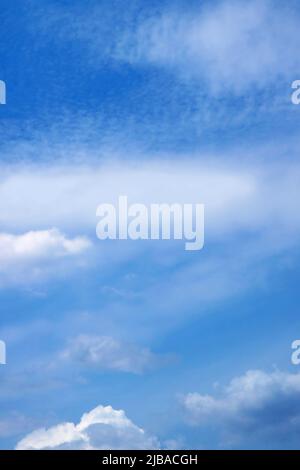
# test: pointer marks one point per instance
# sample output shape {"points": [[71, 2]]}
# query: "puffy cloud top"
{"points": [[102, 428], [257, 403]]}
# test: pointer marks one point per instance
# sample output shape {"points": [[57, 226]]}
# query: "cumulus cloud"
{"points": [[100, 429], [39, 244], [29, 256], [255, 404], [105, 352]]}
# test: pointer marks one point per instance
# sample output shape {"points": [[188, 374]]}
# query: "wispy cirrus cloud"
{"points": [[242, 195], [229, 45], [107, 353]]}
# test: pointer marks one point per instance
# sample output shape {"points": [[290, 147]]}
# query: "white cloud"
{"points": [[81, 188], [251, 405], [232, 44], [105, 352], [39, 244], [100, 429], [30, 256], [248, 201], [238, 196]]}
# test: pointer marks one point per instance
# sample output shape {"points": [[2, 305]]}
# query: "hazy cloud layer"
{"points": [[229, 45], [107, 353]]}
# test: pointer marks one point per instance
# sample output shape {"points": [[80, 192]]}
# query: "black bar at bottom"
{"points": [[135, 459]]}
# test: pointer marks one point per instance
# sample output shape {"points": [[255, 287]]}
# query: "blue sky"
{"points": [[140, 344]]}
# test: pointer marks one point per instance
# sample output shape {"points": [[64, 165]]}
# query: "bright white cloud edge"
{"points": [[101, 428]]}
